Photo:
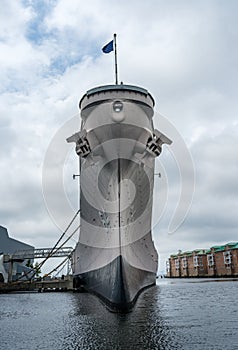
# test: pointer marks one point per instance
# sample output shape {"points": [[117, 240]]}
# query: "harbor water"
{"points": [[175, 314]]}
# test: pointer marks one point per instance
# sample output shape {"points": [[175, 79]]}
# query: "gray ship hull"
{"points": [[115, 257], [118, 284]]}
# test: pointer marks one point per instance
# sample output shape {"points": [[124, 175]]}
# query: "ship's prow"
{"points": [[117, 284], [115, 257]]}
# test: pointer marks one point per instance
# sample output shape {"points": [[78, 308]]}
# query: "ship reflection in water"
{"points": [[172, 315]]}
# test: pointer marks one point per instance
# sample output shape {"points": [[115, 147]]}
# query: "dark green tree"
{"points": [[37, 269], [29, 264]]}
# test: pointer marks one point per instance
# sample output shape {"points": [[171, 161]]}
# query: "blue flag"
{"points": [[108, 47]]}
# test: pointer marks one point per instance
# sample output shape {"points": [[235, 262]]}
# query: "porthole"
{"points": [[117, 106]]}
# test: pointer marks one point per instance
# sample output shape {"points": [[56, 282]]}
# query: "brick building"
{"points": [[218, 261]]}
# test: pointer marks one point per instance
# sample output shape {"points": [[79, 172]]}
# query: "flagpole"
{"points": [[115, 49]]}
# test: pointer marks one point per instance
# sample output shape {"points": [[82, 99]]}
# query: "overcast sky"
{"points": [[184, 52]]}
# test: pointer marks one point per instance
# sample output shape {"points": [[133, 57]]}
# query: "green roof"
{"points": [[217, 248], [220, 249], [232, 243], [234, 246], [200, 251], [188, 253]]}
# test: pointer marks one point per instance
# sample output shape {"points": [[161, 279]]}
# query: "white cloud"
{"points": [[183, 52]]}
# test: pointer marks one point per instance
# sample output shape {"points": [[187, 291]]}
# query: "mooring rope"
{"points": [[54, 249]]}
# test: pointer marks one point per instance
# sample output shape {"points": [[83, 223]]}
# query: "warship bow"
{"points": [[115, 257]]}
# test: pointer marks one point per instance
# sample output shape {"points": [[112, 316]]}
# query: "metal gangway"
{"points": [[42, 253]]}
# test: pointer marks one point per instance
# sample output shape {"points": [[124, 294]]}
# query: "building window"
{"points": [[167, 266], [195, 261], [227, 258], [200, 262], [184, 262], [177, 264], [210, 260]]}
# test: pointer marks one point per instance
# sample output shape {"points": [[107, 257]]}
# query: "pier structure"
{"points": [[40, 253], [16, 263], [218, 261], [46, 283], [63, 284]]}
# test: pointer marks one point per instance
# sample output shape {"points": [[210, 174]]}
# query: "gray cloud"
{"points": [[183, 52]]}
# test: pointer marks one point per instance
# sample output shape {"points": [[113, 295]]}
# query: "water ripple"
{"points": [[173, 315]]}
